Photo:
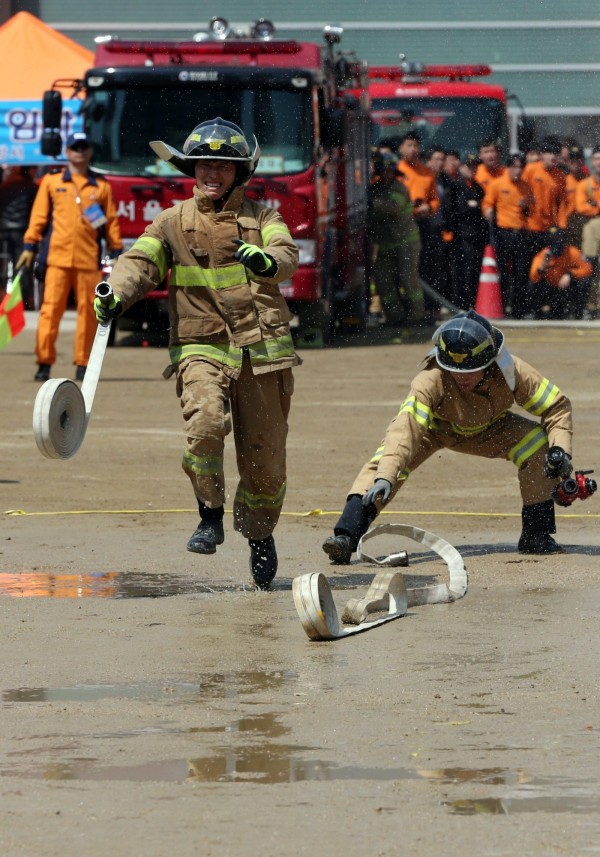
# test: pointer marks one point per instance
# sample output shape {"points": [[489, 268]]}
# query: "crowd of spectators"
{"points": [[540, 211], [431, 215]]}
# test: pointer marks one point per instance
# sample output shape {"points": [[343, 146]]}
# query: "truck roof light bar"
{"points": [[414, 69], [237, 46]]}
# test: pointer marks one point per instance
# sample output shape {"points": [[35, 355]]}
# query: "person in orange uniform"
{"points": [[419, 181], [560, 278], [576, 172], [506, 203], [548, 185], [490, 166], [587, 204], [72, 212]]}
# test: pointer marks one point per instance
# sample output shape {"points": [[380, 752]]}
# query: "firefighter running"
{"points": [[230, 344], [461, 401]]}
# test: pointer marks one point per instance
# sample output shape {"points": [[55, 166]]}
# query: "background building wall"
{"points": [[544, 52]]}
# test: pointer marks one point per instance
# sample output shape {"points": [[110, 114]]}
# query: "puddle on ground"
{"points": [[491, 776], [511, 805], [213, 686], [113, 584], [270, 763], [262, 763]]}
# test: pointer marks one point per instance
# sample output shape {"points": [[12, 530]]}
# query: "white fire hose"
{"points": [[61, 411], [316, 608]]}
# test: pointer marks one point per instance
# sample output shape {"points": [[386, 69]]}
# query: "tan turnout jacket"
{"points": [[435, 404], [216, 306]]}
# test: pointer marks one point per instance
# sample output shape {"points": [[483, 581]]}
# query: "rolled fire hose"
{"points": [[314, 601], [62, 411]]}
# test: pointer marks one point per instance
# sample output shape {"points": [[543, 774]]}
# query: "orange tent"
{"points": [[33, 56]]}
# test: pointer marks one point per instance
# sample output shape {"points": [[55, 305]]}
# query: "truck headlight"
{"points": [[307, 250]]}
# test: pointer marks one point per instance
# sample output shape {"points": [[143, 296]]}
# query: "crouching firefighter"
{"points": [[230, 344], [461, 401]]}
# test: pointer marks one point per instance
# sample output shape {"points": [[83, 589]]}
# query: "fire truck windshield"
{"points": [[449, 122], [122, 120]]}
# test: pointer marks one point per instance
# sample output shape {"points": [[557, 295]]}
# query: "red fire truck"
{"points": [[440, 103], [306, 103]]}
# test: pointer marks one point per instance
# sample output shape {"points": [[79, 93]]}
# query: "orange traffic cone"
{"points": [[489, 294]]}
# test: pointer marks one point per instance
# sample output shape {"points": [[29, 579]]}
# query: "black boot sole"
{"points": [[205, 549], [203, 544], [338, 554]]}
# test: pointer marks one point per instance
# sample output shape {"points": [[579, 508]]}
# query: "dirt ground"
{"points": [[153, 703]]}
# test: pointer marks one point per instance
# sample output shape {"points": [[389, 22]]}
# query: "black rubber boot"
{"points": [[209, 532], [339, 549], [43, 372], [538, 523], [263, 561], [353, 523]]}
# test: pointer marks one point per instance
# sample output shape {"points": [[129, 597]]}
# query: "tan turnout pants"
{"points": [[497, 441], [257, 408]]}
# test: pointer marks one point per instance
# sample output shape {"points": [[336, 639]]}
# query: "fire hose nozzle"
{"points": [[104, 292], [573, 487]]}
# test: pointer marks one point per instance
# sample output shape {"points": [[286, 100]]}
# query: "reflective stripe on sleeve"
{"points": [[419, 411], [377, 457], [210, 278], [274, 229], [528, 446], [543, 398], [156, 251]]}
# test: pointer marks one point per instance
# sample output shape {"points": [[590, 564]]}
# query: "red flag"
{"points": [[12, 312]]}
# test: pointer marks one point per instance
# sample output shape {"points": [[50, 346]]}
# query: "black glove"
{"points": [[114, 254], [382, 490], [254, 258], [557, 463]]}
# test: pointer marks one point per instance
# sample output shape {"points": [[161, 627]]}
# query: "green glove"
{"points": [[380, 491], [106, 312], [254, 258]]}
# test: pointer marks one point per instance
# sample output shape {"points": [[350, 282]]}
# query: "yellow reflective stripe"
{"points": [[377, 457], [272, 349], [204, 465], [229, 355], [273, 229], [260, 501], [210, 278], [481, 347], [420, 412], [543, 398], [466, 431], [226, 354], [404, 474], [528, 446], [156, 251]]}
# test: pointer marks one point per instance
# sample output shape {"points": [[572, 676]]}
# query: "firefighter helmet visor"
{"points": [[467, 343]]}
